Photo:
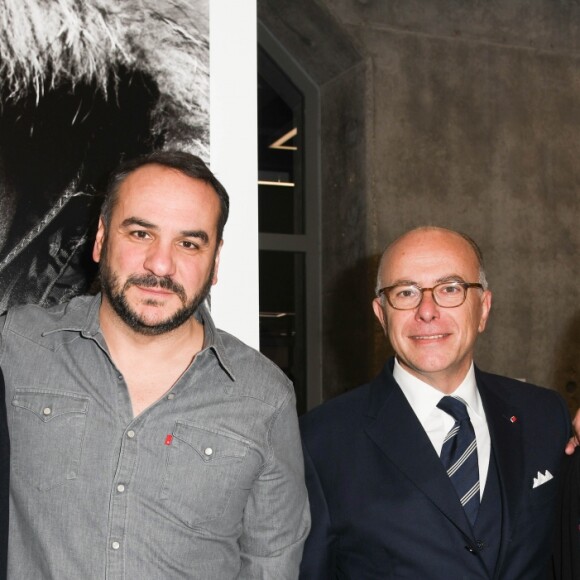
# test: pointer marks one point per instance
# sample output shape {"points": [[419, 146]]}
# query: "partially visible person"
{"points": [[147, 444], [435, 469], [575, 439], [567, 534], [566, 556], [4, 480]]}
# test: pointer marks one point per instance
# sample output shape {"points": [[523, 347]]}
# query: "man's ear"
{"points": [[99, 241], [485, 309], [217, 263], [379, 311]]}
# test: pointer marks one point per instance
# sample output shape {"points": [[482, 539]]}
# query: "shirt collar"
{"points": [[423, 398], [85, 320], [213, 340]]}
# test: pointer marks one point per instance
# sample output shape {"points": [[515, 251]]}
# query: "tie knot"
{"points": [[454, 407]]}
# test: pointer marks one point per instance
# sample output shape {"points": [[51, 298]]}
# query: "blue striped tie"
{"points": [[459, 456]]}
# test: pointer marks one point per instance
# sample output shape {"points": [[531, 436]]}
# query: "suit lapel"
{"points": [[395, 429], [507, 445]]}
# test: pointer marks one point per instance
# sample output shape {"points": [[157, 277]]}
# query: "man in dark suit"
{"points": [[434, 470]]}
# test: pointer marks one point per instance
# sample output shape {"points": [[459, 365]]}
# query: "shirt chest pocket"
{"points": [[47, 436], [202, 471]]}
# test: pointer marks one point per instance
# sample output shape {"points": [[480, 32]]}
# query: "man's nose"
{"points": [[428, 308], [160, 259]]}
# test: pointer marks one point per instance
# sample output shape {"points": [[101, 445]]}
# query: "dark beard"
{"points": [[118, 299]]}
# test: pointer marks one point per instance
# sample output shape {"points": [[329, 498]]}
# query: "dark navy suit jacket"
{"points": [[383, 506]]}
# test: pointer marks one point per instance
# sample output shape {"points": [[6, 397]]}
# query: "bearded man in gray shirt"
{"points": [[146, 443]]}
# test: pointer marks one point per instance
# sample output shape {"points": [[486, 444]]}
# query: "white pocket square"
{"points": [[542, 478]]}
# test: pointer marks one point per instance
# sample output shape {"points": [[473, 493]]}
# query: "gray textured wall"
{"points": [[464, 114]]}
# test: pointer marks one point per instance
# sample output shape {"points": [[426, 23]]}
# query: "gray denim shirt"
{"points": [[207, 483]]}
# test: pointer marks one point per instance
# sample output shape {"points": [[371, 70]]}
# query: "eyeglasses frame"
{"points": [[465, 285]]}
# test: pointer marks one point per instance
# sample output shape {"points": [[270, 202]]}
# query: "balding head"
{"points": [[425, 231]]}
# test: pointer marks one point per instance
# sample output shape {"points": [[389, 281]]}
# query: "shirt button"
{"points": [[170, 396], [120, 488], [208, 451], [115, 545], [131, 434], [46, 411]]}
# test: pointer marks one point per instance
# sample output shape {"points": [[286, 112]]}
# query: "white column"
{"points": [[233, 142]]}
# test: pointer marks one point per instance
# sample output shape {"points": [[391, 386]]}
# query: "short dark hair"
{"points": [[181, 161]]}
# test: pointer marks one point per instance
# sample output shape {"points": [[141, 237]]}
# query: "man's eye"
{"points": [[189, 245], [140, 234], [450, 289], [406, 293]]}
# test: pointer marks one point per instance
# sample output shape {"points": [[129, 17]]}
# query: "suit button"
{"points": [[480, 544]]}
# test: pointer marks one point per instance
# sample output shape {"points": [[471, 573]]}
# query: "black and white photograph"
{"points": [[84, 85]]}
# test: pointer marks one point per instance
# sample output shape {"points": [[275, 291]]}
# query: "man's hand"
{"points": [[575, 439]]}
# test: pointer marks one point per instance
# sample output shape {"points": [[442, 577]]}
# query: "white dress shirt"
{"points": [[423, 399]]}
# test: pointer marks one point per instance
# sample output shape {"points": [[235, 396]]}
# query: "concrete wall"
{"points": [[471, 120], [326, 54]]}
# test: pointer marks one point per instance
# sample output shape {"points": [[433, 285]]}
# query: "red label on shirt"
{"points": [[168, 439]]}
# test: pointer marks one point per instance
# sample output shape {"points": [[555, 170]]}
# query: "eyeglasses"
{"points": [[409, 296]]}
